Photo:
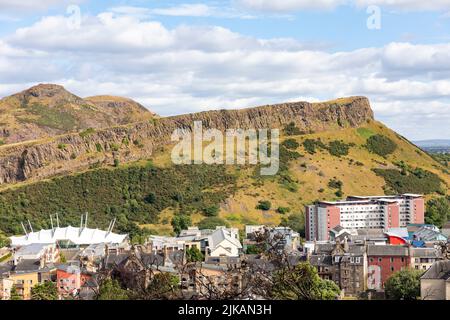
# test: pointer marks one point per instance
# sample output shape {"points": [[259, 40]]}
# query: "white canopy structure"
{"points": [[78, 236]]}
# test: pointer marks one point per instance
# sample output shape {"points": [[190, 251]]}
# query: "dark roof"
{"points": [[388, 250], [27, 265], [321, 260], [439, 270]]}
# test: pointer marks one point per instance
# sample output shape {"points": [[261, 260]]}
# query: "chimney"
{"points": [[42, 262]]}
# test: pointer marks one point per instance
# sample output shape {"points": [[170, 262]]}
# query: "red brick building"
{"points": [[383, 261]]}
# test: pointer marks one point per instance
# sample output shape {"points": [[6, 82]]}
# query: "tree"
{"points": [[44, 291], [193, 254], [181, 222], [211, 211], [404, 285], [14, 294], [303, 283], [437, 211], [212, 223], [111, 290], [295, 221], [4, 241]]}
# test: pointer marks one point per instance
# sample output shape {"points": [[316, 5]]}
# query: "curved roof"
{"points": [[79, 236]]}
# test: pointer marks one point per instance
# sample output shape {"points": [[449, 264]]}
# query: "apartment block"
{"points": [[363, 212]]}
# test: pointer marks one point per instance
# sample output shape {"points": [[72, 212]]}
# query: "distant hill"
{"points": [[329, 150], [433, 143], [47, 110]]}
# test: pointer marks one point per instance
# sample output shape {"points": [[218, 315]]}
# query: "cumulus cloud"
{"points": [[190, 68], [16, 6]]}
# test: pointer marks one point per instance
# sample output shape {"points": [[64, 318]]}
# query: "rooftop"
{"points": [[439, 270]]}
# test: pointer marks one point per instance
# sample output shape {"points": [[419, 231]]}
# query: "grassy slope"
{"points": [[239, 209]]}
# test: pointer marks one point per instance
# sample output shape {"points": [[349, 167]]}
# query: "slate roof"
{"points": [[388, 250], [439, 270]]}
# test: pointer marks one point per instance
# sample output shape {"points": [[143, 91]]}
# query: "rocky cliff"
{"points": [[72, 152], [47, 110]]}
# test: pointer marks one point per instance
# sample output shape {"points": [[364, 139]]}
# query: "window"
{"points": [[392, 269], [379, 259], [392, 259]]}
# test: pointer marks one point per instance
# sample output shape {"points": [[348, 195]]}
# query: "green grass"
{"points": [[365, 132], [50, 117]]}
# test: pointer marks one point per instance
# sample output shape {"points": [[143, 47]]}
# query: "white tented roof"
{"points": [[79, 236]]}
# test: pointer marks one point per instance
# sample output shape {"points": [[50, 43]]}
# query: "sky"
{"points": [[177, 57]]}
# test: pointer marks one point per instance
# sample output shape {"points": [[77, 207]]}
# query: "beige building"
{"points": [[435, 283], [423, 258], [6, 285]]}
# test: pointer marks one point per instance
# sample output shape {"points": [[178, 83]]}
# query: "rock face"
{"points": [[47, 110], [72, 152]]}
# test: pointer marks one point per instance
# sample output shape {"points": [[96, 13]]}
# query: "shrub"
{"points": [[338, 148], [211, 211], [292, 130], [116, 162], [264, 205], [87, 132], [290, 144], [283, 210], [62, 146], [114, 147], [212, 223], [335, 184], [311, 145], [380, 145], [99, 147], [181, 222], [413, 181]]}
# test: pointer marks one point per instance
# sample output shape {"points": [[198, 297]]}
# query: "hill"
{"points": [[329, 150], [47, 110]]}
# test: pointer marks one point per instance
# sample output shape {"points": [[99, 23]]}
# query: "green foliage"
{"points": [[295, 221], [14, 295], [2, 142], [312, 145], [116, 162], [264, 205], [193, 254], [4, 241], [404, 285], [365, 132], [290, 144], [44, 291], [303, 283], [380, 145], [283, 210], [211, 211], [413, 181], [125, 141], [99, 147], [212, 223], [55, 118], [114, 146], [162, 286], [86, 133], [438, 211], [292, 130], [253, 249], [62, 258], [335, 183], [181, 222], [338, 148], [111, 290], [122, 193], [62, 146]]}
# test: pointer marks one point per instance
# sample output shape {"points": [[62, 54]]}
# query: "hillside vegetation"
{"points": [[327, 165]]}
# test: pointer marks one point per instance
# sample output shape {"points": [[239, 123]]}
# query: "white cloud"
{"points": [[189, 68], [297, 5], [18, 6]]}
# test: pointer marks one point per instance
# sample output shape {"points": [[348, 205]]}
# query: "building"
{"points": [[224, 242], [435, 283], [48, 252], [423, 258], [6, 285], [70, 279], [82, 236], [343, 263], [24, 282], [359, 212], [383, 261]]}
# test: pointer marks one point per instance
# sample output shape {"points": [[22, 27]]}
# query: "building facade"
{"points": [[371, 212]]}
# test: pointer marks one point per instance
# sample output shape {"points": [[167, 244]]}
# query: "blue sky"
{"points": [[185, 56]]}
